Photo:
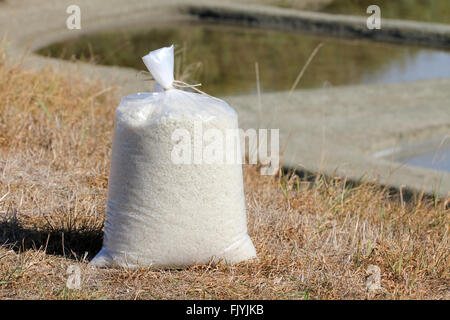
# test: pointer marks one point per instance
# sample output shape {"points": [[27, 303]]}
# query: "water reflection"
{"points": [[437, 160], [223, 58], [424, 64]]}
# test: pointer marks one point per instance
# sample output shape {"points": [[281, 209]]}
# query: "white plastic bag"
{"points": [[160, 212]]}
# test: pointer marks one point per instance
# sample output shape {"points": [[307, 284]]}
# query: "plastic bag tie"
{"points": [[160, 64], [178, 84]]}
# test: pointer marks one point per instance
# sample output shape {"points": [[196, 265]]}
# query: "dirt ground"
{"points": [[316, 237]]}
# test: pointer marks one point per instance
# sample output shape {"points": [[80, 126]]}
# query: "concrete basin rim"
{"points": [[55, 35]]}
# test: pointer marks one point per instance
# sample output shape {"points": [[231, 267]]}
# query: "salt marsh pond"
{"points": [[223, 57]]}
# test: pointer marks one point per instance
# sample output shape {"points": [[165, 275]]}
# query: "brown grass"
{"points": [[315, 240]]}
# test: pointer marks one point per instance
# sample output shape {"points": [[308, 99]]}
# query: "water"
{"points": [[223, 58], [437, 160], [425, 64], [419, 10]]}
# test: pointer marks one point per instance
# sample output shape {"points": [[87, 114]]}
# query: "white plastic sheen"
{"points": [[163, 214], [160, 64]]}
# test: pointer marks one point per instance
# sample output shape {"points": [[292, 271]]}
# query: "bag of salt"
{"points": [[161, 212]]}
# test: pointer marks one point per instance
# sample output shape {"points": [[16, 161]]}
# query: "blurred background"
{"points": [[222, 56]]}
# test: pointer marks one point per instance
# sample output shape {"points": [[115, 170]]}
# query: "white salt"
{"points": [[164, 214]]}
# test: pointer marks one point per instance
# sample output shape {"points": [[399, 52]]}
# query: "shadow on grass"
{"points": [[83, 243], [406, 195]]}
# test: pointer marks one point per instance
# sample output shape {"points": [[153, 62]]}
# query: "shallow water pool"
{"points": [[437, 160], [223, 58]]}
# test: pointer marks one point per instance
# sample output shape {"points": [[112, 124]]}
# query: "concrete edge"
{"points": [[267, 17], [394, 31]]}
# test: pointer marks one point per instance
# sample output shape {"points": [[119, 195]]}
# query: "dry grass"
{"points": [[294, 4], [315, 239]]}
